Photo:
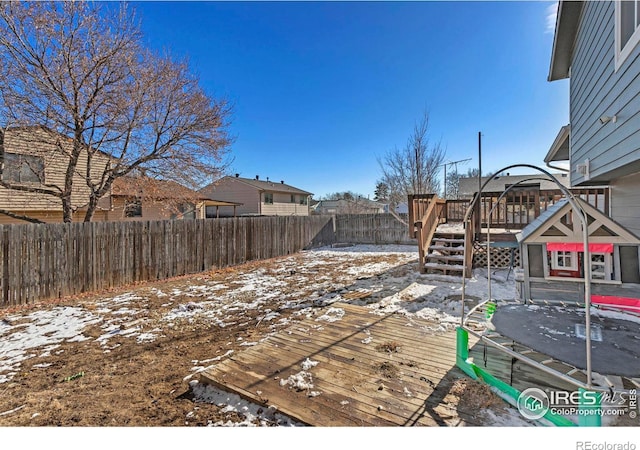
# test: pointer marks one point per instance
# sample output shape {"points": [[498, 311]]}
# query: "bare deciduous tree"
{"points": [[413, 169], [452, 185], [80, 70]]}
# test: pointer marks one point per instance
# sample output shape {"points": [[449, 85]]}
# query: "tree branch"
{"points": [[19, 216]]}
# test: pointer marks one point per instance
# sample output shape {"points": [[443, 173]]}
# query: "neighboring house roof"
{"points": [[209, 202], [469, 186], [151, 188], [564, 38], [363, 203], [269, 186], [602, 228], [328, 204]]}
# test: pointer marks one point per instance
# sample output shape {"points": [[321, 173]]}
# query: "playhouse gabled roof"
{"points": [[549, 227]]}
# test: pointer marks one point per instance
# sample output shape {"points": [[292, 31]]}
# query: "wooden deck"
{"points": [[371, 370]]}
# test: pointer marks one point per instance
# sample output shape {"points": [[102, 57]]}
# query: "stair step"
{"points": [[459, 249], [445, 257], [448, 240], [447, 267], [449, 233]]}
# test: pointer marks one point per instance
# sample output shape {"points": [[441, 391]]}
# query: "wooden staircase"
{"points": [[445, 255], [438, 251]]}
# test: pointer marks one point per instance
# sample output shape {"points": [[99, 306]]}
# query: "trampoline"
{"points": [[560, 333]]}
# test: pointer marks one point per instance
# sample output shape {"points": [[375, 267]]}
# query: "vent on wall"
{"points": [[583, 169]]}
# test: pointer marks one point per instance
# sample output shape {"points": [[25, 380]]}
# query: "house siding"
{"points": [[597, 89], [52, 216], [282, 206], [151, 210], [253, 200], [39, 142], [625, 202], [568, 291], [233, 190]]}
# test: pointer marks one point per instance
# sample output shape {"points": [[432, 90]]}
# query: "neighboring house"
{"points": [[345, 206], [144, 198], [260, 198], [468, 186], [596, 48], [553, 257], [35, 157]]}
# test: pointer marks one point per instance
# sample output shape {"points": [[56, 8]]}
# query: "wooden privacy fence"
{"points": [[371, 229], [43, 261]]}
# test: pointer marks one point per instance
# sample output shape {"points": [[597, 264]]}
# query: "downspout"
{"points": [[561, 169]]}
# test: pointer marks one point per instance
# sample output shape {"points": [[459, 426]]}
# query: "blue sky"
{"points": [[321, 90]]}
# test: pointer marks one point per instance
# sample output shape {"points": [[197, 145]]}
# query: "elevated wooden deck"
{"points": [[371, 370]]}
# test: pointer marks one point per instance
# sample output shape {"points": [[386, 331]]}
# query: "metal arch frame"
{"points": [[489, 225], [587, 257]]}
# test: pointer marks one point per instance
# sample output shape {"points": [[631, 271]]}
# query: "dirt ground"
{"points": [[134, 384], [145, 384]]}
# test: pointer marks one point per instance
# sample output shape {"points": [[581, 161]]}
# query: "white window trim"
{"points": [[623, 53]]}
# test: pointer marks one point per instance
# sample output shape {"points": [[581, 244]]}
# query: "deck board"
{"points": [[358, 382]]}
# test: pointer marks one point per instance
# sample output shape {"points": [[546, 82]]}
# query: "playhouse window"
{"points": [[561, 260], [601, 266]]}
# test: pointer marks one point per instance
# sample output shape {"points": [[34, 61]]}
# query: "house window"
{"points": [[627, 29], [23, 168], [133, 208], [564, 261], [268, 198], [293, 198], [303, 200], [187, 210]]}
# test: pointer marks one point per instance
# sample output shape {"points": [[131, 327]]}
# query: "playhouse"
{"points": [[553, 261]]}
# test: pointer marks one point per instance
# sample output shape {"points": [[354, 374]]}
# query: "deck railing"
{"points": [[425, 227], [417, 206], [520, 207]]}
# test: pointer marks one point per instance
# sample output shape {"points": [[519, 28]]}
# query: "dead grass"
{"points": [[388, 370], [389, 347], [474, 395]]}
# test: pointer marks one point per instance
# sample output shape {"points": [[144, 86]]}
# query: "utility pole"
{"points": [[479, 202], [479, 161], [418, 181]]}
